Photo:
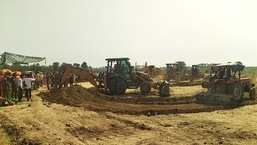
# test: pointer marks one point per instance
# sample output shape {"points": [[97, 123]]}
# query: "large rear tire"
{"points": [[252, 93], [237, 91], [145, 88], [117, 86]]}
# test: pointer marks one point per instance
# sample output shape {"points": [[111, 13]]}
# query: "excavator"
{"points": [[118, 77], [152, 71], [82, 73], [226, 85]]}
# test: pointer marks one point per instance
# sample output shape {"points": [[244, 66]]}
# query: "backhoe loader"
{"points": [[118, 77], [175, 72], [178, 71]]}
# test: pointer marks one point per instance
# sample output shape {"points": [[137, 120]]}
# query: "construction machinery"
{"points": [[178, 71], [82, 73], [196, 73], [173, 72], [118, 77], [152, 70], [226, 85]]}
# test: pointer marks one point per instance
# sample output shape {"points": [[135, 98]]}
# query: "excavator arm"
{"points": [[83, 73], [153, 71]]}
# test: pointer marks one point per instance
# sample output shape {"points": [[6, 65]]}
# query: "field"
{"points": [[82, 115]]}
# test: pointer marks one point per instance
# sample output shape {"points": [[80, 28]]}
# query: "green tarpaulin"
{"points": [[7, 57]]}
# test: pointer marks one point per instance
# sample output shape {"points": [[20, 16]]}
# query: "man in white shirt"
{"points": [[27, 83]]}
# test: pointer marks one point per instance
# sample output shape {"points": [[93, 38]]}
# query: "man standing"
{"points": [[14, 86], [37, 80], [71, 80], [5, 85], [20, 85], [47, 80], [27, 81]]}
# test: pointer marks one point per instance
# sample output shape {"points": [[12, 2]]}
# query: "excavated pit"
{"points": [[132, 102]]}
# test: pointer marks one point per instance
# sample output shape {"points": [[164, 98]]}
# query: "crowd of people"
{"points": [[17, 84]]}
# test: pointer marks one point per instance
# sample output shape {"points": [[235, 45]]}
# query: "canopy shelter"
{"points": [[8, 57]]}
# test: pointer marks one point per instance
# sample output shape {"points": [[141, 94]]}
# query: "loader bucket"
{"points": [[164, 90]]}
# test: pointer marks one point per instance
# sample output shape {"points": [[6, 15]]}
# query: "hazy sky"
{"points": [[156, 31]]}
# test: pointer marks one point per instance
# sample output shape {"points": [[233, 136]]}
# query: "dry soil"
{"points": [[82, 115]]}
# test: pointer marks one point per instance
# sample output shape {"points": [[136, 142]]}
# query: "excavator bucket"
{"points": [[164, 89]]}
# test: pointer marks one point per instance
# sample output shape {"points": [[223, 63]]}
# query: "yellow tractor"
{"points": [[196, 73], [178, 72], [120, 76]]}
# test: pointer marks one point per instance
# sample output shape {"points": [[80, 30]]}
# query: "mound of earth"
{"points": [[129, 103], [73, 96]]}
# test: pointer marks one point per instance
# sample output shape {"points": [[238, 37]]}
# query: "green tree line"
{"points": [[55, 66]]}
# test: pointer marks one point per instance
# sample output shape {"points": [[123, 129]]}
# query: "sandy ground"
{"points": [[108, 120]]}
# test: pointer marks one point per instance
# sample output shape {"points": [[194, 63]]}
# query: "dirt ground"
{"points": [[82, 115]]}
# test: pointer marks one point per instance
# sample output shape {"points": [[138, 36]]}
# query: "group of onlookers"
{"points": [[14, 85], [19, 84]]}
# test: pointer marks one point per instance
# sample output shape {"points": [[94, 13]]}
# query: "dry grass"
{"points": [[3, 138], [252, 76]]}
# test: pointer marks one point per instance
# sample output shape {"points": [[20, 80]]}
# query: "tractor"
{"points": [[196, 73], [173, 72], [177, 71], [118, 77], [226, 85]]}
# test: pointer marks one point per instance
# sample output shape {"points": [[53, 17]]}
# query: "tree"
{"points": [[62, 67], [56, 66]]}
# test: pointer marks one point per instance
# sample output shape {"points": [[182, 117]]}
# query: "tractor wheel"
{"points": [[145, 88], [252, 93], [237, 92], [117, 86]]}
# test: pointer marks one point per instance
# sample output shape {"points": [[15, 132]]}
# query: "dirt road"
{"points": [[80, 115]]}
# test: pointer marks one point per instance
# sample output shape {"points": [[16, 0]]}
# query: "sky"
{"points": [[152, 31]]}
